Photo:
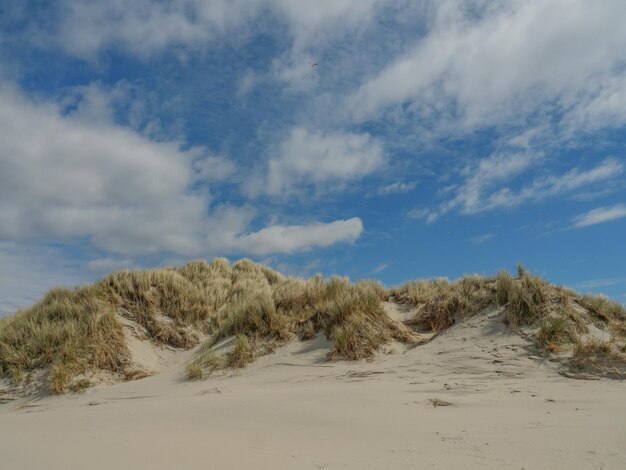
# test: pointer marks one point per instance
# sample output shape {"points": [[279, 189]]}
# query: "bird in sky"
{"points": [[313, 64]]}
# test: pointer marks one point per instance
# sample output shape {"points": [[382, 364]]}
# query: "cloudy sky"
{"points": [[432, 138]]}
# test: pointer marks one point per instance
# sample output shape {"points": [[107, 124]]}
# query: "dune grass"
{"points": [[439, 300], [72, 332], [265, 310], [194, 371], [599, 358], [559, 314]]}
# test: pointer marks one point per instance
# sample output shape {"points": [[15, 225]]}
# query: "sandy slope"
{"points": [[293, 410]]}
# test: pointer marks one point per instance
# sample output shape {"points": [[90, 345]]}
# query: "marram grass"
{"points": [[71, 333]]}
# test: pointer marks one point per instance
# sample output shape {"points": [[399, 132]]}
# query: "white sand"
{"points": [[293, 410]]}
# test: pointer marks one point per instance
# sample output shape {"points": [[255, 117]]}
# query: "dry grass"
{"points": [[504, 286], [356, 321], [592, 348], [194, 371], [555, 330], [163, 301], [242, 354], [60, 379], [69, 330], [77, 330], [527, 300], [604, 309], [268, 309], [598, 358], [439, 300], [72, 332]]}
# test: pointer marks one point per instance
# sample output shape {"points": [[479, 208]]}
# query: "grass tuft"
{"points": [[194, 371], [242, 354], [603, 308], [439, 300], [59, 379], [555, 330]]}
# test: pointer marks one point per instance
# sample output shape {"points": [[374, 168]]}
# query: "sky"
{"points": [[382, 139]]}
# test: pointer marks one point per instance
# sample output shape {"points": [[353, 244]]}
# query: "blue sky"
{"points": [[432, 138]]}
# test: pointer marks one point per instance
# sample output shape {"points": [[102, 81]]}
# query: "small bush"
{"points": [[504, 286], [554, 330], [592, 348], [526, 298], [59, 379], [194, 372], [242, 354], [207, 358], [17, 375]]}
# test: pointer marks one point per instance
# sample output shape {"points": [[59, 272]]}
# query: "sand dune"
{"points": [[476, 396]]}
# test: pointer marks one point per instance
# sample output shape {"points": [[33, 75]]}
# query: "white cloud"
{"points": [[422, 213], [480, 193], [309, 159], [289, 239], [601, 107], [488, 172], [68, 177], [246, 83], [480, 239], [600, 215], [499, 63], [397, 187], [146, 27], [123, 102], [478, 178], [602, 282], [307, 18], [548, 186], [606, 190], [573, 179], [316, 26], [213, 168], [380, 268]]}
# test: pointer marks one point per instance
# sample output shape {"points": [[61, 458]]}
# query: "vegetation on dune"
{"points": [[599, 358], [265, 310], [252, 309], [71, 330], [439, 300], [194, 371], [560, 314]]}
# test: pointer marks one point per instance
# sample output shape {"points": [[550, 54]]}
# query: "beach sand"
{"points": [[476, 396]]}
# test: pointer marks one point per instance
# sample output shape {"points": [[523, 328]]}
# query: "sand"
{"points": [[499, 406]]}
